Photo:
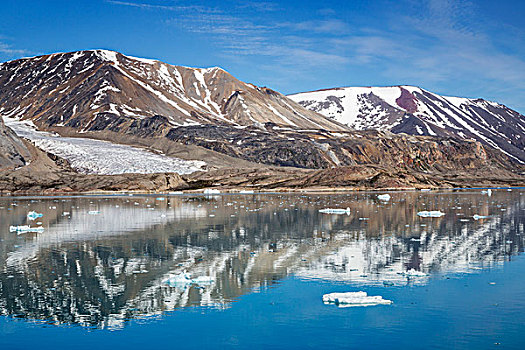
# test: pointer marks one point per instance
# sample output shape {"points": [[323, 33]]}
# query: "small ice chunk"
{"points": [[349, 299], [425, 190], [413, 273], [384, 197], [25, 228], [181, 279], [430, 214], [33, 215], [203, 280], [335, 211], [185, 279]]}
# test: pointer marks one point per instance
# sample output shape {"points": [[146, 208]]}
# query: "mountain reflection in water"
{"points": [[102, 261]]}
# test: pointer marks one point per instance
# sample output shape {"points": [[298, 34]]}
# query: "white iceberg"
{"points": [[184, 279], [25, 228], [349, 299], [33, 215], [430, 214], [211, 191], [203, 280], [384, 197], [335, 211], [413, 273]]}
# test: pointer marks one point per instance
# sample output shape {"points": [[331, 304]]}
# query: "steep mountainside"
{"points": [[105, 90], [412, 110]]}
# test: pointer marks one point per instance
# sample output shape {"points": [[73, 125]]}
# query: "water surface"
{"points": [[97, 274]]}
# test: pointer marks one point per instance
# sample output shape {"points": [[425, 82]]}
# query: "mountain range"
{"points": [[415, 111], [90, 115]]}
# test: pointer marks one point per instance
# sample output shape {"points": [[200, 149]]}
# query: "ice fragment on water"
{"points": [[350, 299], [384, 197], [335, 211], [33, 215], [430, 214]]}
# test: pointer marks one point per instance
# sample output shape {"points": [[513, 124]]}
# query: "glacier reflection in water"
{"points": [[101, 261]]}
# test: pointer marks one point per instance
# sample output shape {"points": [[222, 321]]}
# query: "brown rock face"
{"points": [[407, 101], [13, 152]]}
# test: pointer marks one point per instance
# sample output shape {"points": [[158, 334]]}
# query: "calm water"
{"points": [[96, 276]]}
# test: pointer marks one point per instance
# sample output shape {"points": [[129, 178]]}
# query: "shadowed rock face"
{"points": [[412, 110], [13, 152]]}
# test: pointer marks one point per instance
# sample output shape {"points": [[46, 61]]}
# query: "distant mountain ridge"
{"points": [[412, 110]]}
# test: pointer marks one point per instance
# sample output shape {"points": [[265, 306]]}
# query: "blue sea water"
{"points": [[97, 280]]}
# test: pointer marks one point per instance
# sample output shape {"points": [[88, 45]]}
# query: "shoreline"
{"points": [[239, 191]]}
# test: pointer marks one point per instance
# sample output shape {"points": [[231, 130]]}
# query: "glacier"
{"points": [[90, 156]]}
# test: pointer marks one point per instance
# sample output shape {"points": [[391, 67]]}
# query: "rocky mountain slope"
{"points": [[412, 110], [105, 90]]}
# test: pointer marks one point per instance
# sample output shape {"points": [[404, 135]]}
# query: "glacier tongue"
{"points": [[91, 156]]}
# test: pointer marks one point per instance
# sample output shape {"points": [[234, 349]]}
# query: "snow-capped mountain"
{"points": [[412, 110], [105, 90]]}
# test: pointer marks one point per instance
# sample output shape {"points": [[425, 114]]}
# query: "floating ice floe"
{"points": [[384, 197], [184, 279], [211, 191], [430, 214], [487, 192], [335, 211], [33, 215], [477, 217], [413, 273], [25, 229], [425, 190], [350, 299]]}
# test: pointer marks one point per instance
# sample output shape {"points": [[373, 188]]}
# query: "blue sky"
{"points": [[462, 48]]}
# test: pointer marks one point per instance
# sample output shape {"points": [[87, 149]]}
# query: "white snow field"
{"points": [[91, 156]]}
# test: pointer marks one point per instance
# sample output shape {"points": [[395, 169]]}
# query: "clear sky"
{"points": [[452, 47]]}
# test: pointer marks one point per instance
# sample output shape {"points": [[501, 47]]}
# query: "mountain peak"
{"points": [[413, 110], [99, 89]]}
